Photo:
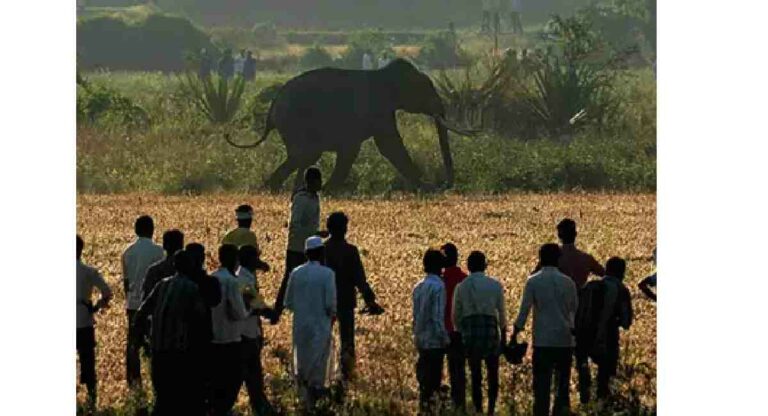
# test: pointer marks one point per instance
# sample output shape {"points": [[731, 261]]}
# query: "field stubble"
{"points": [[392, 235]]}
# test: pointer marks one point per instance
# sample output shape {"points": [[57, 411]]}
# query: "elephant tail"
{"points": [[268, 127]]}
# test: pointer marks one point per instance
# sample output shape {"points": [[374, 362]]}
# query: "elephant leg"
{"points": [[344, 161], [282, 172], [392, 148]]}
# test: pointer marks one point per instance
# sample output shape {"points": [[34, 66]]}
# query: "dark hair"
{"points": [[247, 255], [228, 255], [79, 244], [451, 254], [616, 267], [184, 263], [197, 251], [173, 241], [244, 208], [476, 262], [549, 254], [244, 223], [312, 173], [144, 226], [566, 231], [433, 261], [337, 223]]}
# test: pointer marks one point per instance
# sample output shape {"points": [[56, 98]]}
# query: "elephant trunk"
{"points": [[445, 149]]}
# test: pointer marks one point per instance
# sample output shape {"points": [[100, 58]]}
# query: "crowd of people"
{"points": [[203, 332], [228, 66]]}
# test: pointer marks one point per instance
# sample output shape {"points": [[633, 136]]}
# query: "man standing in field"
{"points": [[429, 332], [88, 278], [136, 259], [311, 296], [177, 340], [515, 16], [554, 299], [344, 259], [303, 223], [452, 276], [173, 241], [242, 235]]}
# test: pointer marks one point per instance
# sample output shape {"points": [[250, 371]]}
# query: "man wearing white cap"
{"points": [[242, 235], [311, 296]]}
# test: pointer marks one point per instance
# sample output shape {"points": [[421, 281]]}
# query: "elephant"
{"points": [[336, 110]]}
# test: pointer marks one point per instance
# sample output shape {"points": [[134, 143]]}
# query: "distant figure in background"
{"points": [[478, 309], [88, 278], [177, 340], [344, 259], [649, 282], [226, 65], [452, 276], [367, 61], [311, 296], [239, 63], [135, 261], [303, 223], [554, 299], [605, 306], [515, 16], [249, 67], [573, 262], [384, 60], [173, 241], [429, 332], [491, 17], [242, 235], [206, 64]]}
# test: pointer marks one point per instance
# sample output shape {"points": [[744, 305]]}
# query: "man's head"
{"points": [[249, 54], [566, 231], [249, 257], [184, 263], [80, 244], [228, 256], [616, 267], [549, 255], [433, 261], [476, 262], [244, 216], [451, 254], [197, 251], [314, 249], [144, 226], [337, 224], [173, 241], [313, 179]]}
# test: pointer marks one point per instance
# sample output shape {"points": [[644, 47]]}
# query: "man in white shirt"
{"points": [[136, 259], [227, 318], [367, 61], [88, 278], [239, 63], [554, 298], [311, 296]]}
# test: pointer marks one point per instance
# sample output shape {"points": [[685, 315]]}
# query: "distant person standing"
{"points": [[576, 264], [452, 276], [226, 65], [135, 261], [478, 310], [173, 241], [311, 296], [88, 278], [384, 60], [515, 16], [249, 67], [206, 64], [554, 299], [239, 63], [367, 61], [242, 235], [429, 332], [303, 223]]}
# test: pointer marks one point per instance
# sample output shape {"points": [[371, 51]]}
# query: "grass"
{"points": [[392, 235]]}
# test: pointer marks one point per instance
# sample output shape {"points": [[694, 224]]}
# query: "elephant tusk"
{"points": [[455, 129]]}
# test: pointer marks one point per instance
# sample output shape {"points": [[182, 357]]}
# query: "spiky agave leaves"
{"points": [[216, 97]]}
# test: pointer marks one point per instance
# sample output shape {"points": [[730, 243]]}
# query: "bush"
{"points": [[442, 50], [315, 57], [97, 103], [217, 98]]}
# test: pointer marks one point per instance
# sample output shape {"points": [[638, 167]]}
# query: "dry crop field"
{"points": [[392, 235]]}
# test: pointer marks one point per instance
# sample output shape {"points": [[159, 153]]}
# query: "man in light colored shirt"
{"points": [[429, 332], [480, 317], [515, 15], [136, 259], [303, 223], [311, 296], [252, 335], [88, 278], [367, 61], [227, 318], [242, 235], [239, 63], [554, 299]]}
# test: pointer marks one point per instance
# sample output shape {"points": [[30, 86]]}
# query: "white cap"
{"points": [[313, 243]]}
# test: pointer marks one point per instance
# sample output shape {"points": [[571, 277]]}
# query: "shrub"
{"points": [[315, 57], [217, 98], [441, 50], [97, 103]]}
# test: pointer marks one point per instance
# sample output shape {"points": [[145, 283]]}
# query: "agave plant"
{"points": [[217, 98]]}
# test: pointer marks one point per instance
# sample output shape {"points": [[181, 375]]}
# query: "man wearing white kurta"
{"points": [[311, 296]]}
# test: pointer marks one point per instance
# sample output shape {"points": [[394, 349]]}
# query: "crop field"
{"points": [[392, 234]]}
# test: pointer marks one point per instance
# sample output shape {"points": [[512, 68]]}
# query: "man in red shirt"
{"points": [[452, 276]]}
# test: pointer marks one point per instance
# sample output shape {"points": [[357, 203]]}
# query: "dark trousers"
{"points": [[253, 376], [429, 371], [456, 370], [293, 259], [346, 317], [607, 364], [86, 352], [177, 380], [132, 349], [227, 376], [546, 362], [492, 368]]}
